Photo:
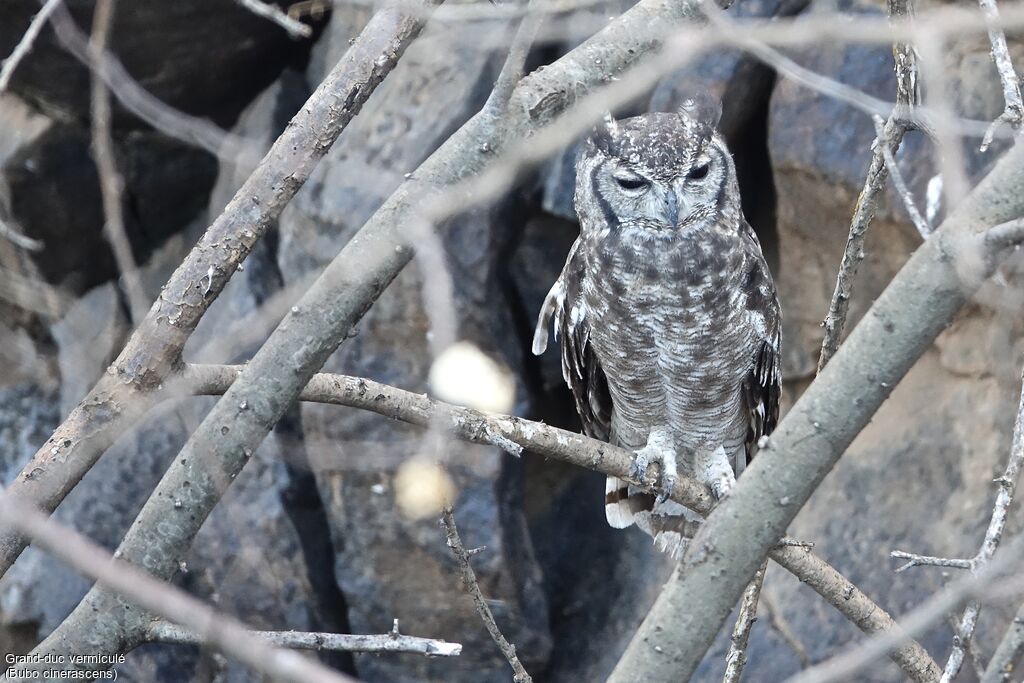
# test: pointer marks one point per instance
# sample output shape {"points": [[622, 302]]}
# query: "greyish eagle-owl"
{"points": [[666, 311]]}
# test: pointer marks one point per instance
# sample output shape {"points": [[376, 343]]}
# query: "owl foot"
{"points": [[714, 469], [660, 450]]}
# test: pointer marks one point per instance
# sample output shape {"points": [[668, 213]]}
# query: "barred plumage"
{"points": [[667, 314]]}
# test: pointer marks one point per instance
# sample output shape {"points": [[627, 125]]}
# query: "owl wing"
{"points": [[763, 383], [582, 371]]}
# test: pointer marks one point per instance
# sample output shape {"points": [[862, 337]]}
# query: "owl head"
{"points": [[661, 173]]}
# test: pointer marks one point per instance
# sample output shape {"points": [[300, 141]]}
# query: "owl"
{"points": [[667, 314]]}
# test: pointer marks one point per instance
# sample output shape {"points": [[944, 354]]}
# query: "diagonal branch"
{"points": [[479, 601], [222, 632], [24, 45], [916, 306], [127, 389]]}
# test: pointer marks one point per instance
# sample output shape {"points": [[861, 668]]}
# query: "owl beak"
{"points": [[675, 205]]}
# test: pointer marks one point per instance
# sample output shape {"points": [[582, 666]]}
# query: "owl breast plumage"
{"points": [[666, 312]]}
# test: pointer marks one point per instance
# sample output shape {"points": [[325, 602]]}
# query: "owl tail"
{"points": [[620, 505]]}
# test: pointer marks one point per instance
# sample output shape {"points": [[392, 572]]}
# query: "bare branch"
{"points": [[224, 633], [19, 240], [867, 203], [24, 45], [111, 183], [191, 130], [519, 50], [784, 631], [996, 581], [920, 223], [579, 450], [1014, 106], [166, 632], [914, 560], [126, 390], [294, 27], [469, 582], [736, 659]]}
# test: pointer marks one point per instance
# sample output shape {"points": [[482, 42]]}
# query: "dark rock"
{"points": [[54, 197], [182, 52]]}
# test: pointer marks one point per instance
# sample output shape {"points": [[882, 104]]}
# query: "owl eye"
{"points": [[631, 182], [698, 172]]}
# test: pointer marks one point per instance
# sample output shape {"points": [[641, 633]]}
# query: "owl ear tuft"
{"points": [[605, 131], [703, 109]]}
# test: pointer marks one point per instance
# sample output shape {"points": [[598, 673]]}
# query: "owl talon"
{"points": [[722, 487], [638, 469], [668, 485]]}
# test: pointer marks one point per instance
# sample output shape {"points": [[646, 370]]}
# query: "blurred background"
{"points": [[309, 536]]}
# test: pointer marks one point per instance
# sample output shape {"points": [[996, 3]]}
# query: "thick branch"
{"points": [[479, 601], [166, 632], [126, 390], [1004, 661], [918, 304]]}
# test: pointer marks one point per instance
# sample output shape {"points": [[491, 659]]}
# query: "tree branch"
{"points": [[918, 304], [218, 631], [294, 27], [166, 632], [127, 389], [579, 450], [479, 601], [736, 659], [1013, 112], [907, 93], [24, 45]]}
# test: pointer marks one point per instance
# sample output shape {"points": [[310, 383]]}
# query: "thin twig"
{"points": [[736, 659], [1014, 106], [166, 632], [892, 136], [479, 601], [914, 560], [897, 180], [24, 45], [19, 240], [1007, 486], [126, 391], [295, 28], [111, 182], [579, 450], [996, 581], [216, 630]]}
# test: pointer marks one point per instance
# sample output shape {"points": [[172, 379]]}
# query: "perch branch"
{"points": [[916, 306], [294, 27], [736, 659], [914, 560], [166, 632], [581, 451], [472, 587], [24, 45], [221, 632], [1014, 106], [127, 389]]}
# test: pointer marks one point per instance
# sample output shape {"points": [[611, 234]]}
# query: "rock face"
{"points": [[309, 537]]}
